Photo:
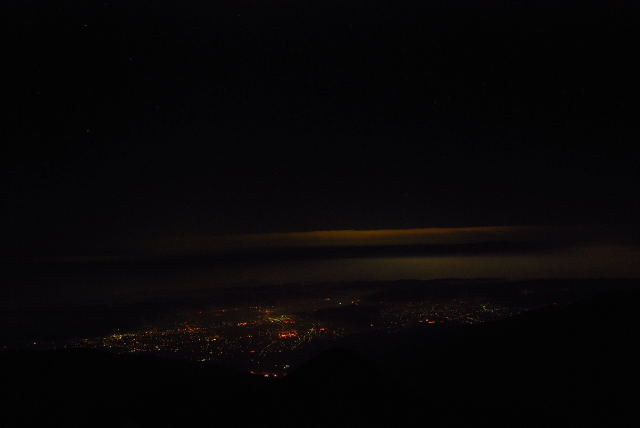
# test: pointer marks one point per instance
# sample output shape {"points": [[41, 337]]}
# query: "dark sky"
{"points": [[137, 120]]}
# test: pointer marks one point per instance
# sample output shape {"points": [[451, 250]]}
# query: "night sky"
{"points": [[136, 122]]}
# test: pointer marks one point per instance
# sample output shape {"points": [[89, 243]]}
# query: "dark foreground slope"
{"points": [[561, 366]]}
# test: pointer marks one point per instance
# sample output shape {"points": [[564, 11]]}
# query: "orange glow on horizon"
{"points": [[353, 237]]}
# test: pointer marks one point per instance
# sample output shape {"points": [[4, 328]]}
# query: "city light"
{"points": [[252, 338]]}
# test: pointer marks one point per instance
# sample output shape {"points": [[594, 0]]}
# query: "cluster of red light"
{"points": [[268, 374]]}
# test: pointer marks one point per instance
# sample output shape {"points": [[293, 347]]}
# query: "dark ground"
{"points": [[570, 365]]}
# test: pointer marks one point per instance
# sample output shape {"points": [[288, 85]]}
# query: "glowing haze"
{"points": [[346, 238]]}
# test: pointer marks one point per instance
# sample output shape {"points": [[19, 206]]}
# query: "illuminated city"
{"points": [[269, 340]]}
